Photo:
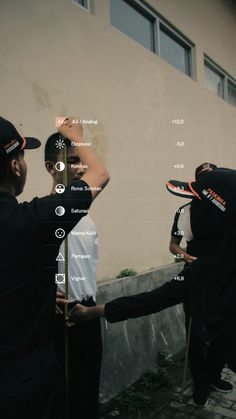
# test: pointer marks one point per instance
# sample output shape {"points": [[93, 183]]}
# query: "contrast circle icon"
{"points": [[60, 211], [60, 233], [60, 188], [60, 166]]}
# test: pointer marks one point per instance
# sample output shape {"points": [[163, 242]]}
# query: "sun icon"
{"points": [[60, 143]]}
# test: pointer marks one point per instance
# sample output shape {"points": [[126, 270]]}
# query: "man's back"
{"points": [[29, 248], [212, 281]]}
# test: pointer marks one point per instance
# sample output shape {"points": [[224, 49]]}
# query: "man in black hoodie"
{"points": [[208, 285], [31, 234]]}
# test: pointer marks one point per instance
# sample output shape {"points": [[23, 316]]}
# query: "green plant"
{"points": [[126, 272], [136, 400], [149, 380], [131, 400], [153, 379], [139, 395]]}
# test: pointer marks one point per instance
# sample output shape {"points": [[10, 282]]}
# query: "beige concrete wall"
{"points": [[57, 59]]}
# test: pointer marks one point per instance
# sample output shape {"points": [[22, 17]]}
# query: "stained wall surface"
{"points": [[58, 59]]}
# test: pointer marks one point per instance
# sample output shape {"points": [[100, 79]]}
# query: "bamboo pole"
{"points": [[65, 182]]}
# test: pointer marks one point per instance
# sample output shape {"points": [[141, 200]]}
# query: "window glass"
{"points": [[232, 93], [83, 3], [132, 22], [174, 51], [213, 81]]}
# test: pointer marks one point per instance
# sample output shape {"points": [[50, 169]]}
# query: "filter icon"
{"points": [[60, 233], [60, 188], [60, 166], [60, 211], [60, 278]]}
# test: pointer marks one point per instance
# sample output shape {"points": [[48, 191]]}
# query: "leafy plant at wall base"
{"points": [[131, 400], [126, 272], [138, 396]]}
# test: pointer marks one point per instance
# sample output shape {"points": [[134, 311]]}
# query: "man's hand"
{"points": [[81, 313], [96, 175], [179, 252], [60, 301], [76, 314], [189, 259], [71, 129]]}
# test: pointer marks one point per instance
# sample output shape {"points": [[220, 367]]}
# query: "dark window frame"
{"points": [[83, 5], [147, 15], [180, 41], [227, 78], [158, 23]]}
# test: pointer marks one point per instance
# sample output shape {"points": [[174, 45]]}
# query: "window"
{"points": [[232, 93], [133, 21], [83, 3], [144, 25], [174, 50], [219, 82], [213, 80]]}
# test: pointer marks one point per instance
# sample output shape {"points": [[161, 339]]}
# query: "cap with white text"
{"points": [[11, 140], [216, 187]]}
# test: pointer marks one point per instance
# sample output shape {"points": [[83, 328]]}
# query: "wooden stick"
{"points": [[65, 182]]}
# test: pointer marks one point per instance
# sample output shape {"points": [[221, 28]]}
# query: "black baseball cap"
{"points": [[203, 168], [217, 187], [11, 140]]}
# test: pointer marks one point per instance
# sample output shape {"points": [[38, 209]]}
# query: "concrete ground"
{"points": [[171, 402]]}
